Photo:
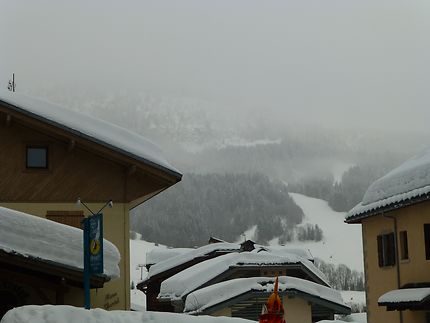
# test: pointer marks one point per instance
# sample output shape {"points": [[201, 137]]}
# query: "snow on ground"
{"points": [[355, 299], [247, 235], [70, 314], [352, 318], [138, 251], [138, 300], [342, 242]]}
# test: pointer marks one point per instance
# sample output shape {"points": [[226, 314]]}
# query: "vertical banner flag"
{"points": [[93, 251]]}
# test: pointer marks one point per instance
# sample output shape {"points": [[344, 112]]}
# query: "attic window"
{"points": [[37, 157]]}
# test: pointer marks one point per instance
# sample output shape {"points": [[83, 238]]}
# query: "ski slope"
{"points": [[342, 243]]}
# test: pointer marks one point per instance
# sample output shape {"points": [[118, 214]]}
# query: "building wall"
{"points": [[297, 310], [115, 294], [222, 312], [415, 270]]}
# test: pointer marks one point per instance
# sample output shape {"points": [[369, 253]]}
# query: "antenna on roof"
{"points": [[11, 86]]}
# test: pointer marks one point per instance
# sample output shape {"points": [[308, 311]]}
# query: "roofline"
{"points": [[387, 208], [339, 309], [53, 268], [232, 269], [177, 175]]}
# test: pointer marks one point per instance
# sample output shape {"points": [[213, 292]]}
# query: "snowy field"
{"points": [[70, 314], [138, 250], [355, 299], [342, 243]]}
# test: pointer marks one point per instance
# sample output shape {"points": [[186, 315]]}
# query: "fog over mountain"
{"points": [[316, 97]]}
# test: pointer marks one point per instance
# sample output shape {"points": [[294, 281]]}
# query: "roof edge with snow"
{"points": [[26, 106], [360, 211]]}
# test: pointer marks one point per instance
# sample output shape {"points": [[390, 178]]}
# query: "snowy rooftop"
{"points": [[39, 238], [158, 255], [406, 295], [70, 314], [191, 255], [90, 128], [408, 181], [188, 280], [205, 298], [281, 250]]}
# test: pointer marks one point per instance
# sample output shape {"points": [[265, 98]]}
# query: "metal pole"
{"points": [[87, 264]]}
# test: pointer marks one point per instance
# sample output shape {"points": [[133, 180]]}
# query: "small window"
{"points": [[404, 252], [386, 250], [37, 157], [427, 240]]}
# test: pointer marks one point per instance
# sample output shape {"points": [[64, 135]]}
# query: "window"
{"points": [[37, 157], [427, 240], [404, 252], [72, 218], [386, 250]]}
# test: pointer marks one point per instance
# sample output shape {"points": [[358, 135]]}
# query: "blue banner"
{"points": [[95, 226]]}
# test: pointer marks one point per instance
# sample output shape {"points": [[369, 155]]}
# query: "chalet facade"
{"points": [[159, 272], [50, 157], [177, 292], [303, 300], [395, 219]]}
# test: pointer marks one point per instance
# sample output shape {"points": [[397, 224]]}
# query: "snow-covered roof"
{"points": [[407, 295], [281, 250], [409, 181], [70, 314], [190, 279], [90, 128], [210, 296], [42, 239], [191, 255], [158, 255]]}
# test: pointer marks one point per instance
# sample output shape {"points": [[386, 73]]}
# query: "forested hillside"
{"points": [[217, 205], [344, 195]]}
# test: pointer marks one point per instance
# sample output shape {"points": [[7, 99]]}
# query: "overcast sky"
{"points": [[359, 62]]}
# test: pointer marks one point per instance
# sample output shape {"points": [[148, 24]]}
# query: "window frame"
{"points": [[426, 228], [386, 248], [49, 159], [403, 245]]}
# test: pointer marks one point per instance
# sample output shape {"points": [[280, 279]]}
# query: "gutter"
{"points": [[396, 247]]}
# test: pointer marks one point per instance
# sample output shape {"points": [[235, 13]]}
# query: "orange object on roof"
{"points": [[273, 311]]}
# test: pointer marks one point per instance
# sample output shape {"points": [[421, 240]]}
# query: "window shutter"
{"points": [[391, 250], [380, 252]]}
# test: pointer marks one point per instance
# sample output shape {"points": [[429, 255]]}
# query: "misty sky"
{"points": [[363, 63]]}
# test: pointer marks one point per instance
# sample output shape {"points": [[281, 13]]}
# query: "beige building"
{"points": [[303, 301], [395, 219], [50, 157]]}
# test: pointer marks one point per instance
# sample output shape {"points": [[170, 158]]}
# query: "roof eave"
{"points": [[387, 208], [174, 174]]}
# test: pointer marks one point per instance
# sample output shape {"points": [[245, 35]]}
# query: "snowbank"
{"points": [[410, 180], [70, 314], [188, 280], [207, 297], [91, 128], [39, 238], [191, 255]]}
